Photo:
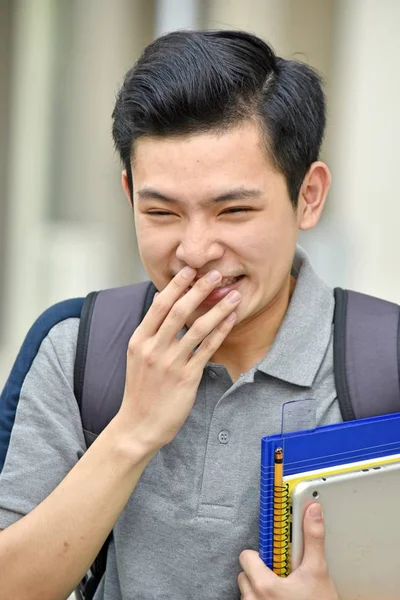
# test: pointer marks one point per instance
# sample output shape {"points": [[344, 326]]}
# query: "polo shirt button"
{"points": [[212, 374], [223, 437]]}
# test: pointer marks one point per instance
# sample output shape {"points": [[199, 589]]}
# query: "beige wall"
{"points": [[364, 135], [65, 226], [69, 228], [5, 50]]}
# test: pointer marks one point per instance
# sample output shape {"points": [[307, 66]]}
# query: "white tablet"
{"points": [[362, 530]]}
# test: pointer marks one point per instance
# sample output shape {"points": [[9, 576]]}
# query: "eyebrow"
{"points": [[234, 194]]}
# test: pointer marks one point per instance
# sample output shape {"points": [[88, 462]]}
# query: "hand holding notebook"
{"points": [[363, 562], [309, 582]]}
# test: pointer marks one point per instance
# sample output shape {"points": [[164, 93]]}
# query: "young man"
{"points": [[219, 140]]}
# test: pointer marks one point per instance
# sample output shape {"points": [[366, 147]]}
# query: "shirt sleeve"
{"points": [[46, 439]]}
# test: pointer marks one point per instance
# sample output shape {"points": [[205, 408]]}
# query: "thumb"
{"points": [[314, 539]]}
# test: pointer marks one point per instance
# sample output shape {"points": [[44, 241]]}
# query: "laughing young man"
{"points": [[219, 140]]}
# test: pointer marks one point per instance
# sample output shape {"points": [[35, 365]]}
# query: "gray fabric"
{"points": [[372, 348], [196, 506], [47, 438]]}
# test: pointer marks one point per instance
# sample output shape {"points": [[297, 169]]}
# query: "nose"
{"points": [[198, 247]]}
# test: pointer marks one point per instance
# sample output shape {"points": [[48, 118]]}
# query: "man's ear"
{"points": [[125, 187], [312, 196]]}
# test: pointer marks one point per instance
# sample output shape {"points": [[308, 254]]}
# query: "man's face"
{"points": [[215, 202]]}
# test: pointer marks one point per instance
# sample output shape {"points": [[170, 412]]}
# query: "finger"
{"points": [[314, 539], [210, 344], [245, 587], [163, 302], [205, 325], [186, 305], [257, 572]]}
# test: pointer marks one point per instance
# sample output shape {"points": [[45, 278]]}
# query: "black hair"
{"points": [[195, 81]]}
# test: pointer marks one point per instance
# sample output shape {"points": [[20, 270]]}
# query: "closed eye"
{"points": [[236, 209], [160, 213], [233, 210]]}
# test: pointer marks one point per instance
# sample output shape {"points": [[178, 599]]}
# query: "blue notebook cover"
{"points": [[322, 447]]}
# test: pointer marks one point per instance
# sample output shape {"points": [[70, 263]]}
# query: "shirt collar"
{"points": [[303, 337]]}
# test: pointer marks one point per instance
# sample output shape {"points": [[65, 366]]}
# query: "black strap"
{"points": [[97, 570], [398, 349], [82, 345], [90, 583], [339, 355]]}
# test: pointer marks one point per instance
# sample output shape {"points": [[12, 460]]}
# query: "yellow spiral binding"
{"points": [[281, 530]]}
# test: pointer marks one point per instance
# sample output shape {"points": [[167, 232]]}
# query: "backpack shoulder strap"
{"points": [[82, 345], [10, 395], [108, 319], [366, 355]]}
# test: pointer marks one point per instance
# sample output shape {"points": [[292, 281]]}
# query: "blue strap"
{"points": [[11, 392]]}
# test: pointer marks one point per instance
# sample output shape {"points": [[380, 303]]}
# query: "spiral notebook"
{"points": [[333, 448]]}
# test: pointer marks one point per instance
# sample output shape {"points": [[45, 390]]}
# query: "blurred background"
{"points": [[65, 226]]}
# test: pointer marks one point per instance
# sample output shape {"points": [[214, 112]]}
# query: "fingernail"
{"points": [[315, 511], [213, 276], [233, 296], [188, 272]]}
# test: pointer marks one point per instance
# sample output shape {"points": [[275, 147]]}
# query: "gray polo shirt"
{"points": [[196, 506]]}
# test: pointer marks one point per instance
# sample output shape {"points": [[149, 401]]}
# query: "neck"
{"points": [[251, 339]]}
